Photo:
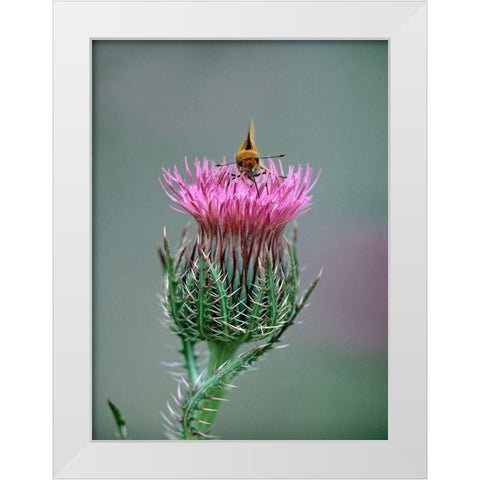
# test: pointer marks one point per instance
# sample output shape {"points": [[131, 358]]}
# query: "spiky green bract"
{"points": [[205, 303]]}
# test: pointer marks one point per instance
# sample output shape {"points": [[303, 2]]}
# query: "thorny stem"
{"points": [[220, 354]]}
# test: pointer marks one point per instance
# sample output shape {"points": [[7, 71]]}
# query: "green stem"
{"points": [[220, 352], [188, 351]]}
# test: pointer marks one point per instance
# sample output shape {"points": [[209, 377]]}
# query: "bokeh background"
{"points": [[321, 102]]}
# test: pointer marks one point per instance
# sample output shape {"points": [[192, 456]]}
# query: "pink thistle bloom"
{"points": [[228, 207], [240, 236]]}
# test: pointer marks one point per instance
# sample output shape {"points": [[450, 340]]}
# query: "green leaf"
{"points": [[120, 422]]}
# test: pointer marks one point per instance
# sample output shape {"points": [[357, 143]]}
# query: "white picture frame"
{"points": [[403, 24]]}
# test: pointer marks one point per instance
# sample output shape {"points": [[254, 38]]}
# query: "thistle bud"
{"points": [[237, 280]]}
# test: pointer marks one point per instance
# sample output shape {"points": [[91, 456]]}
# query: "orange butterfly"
{"points": [[248, 160]]}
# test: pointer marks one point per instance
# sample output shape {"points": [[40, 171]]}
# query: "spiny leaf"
{"points": [[308, 293]]}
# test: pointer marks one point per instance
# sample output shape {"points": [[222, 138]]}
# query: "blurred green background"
{"points": [[321, 102]]}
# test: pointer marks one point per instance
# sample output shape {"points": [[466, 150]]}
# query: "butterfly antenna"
{"points": [[224, 164], [272, 156]]}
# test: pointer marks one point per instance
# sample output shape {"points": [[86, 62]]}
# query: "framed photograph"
{"points": [[291, 137]]}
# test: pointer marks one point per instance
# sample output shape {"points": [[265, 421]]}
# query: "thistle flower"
{"points": [[241, 271], [237, 281]]}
